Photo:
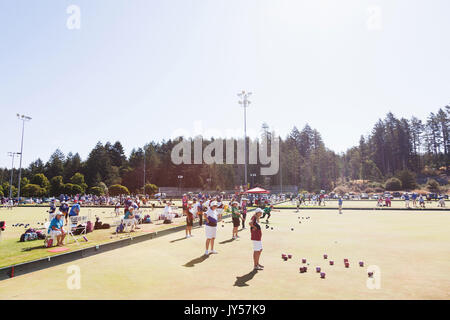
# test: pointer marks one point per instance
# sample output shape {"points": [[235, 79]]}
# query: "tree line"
{"points": [[409, 150]]}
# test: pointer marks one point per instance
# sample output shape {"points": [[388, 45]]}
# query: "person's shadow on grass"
{"points": [[242, 280], [184, 238], [195, 261], [227, 241]]}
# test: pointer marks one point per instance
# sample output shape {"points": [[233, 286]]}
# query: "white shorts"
{"points": [[55, 233], [210, 232], [257, 245]]}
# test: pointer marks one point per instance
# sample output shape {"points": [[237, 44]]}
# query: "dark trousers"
{"points": [[200, 219], [244, 215]]}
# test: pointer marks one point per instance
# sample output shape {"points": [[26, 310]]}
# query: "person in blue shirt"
{"points": [[406, 196], [52, 207], [64, 209], [55, 229], [340, 201], [75, 210]]}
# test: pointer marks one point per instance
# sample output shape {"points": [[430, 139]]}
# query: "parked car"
{"points": [[364, 196]]}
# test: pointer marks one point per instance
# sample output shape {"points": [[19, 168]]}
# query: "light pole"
{"points": [[23, 118], [253, 175], [144, 174], [179, 183], [245, 103], [12, 155]]}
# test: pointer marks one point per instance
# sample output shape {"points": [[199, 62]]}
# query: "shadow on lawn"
{"points": [[242, 280], [183, 238], [227, 241], [41, 246], [195, 261]]}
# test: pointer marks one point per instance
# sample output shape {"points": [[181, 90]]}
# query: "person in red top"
{"points": [[256, 235]]}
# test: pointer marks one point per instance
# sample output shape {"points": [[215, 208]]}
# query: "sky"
{"points": [[145, 70]]}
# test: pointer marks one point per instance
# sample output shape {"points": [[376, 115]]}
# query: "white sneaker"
{"points": [[214, 251], [187, 236], [206, 252]]}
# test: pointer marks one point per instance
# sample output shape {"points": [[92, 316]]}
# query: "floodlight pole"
{"points": [[245, 103], [12, 155], [144, 174], [23, 118]]}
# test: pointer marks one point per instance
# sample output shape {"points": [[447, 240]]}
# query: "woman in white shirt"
{"points": [[168, 215], [212, 217]]}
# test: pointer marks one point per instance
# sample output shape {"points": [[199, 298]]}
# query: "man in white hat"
{"points": [[211, 219], [55, 229]]}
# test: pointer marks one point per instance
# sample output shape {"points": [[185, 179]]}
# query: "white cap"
{"points": [[259, 210], [213, 204]]}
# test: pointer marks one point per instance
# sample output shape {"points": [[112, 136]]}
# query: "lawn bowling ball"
{"points": [[325, 256], [302, 270], [283, 255], [290, 256], [292, 229], [322, 275], [370, 274], [345, 260], [331, 262], [317, 269], [267, 227], [285, 258], [361, 264], [271, 228], [347, 265], [303, 260]]}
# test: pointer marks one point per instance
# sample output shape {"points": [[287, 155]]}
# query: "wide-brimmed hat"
{"points": [[213, 204], [259, 210]]}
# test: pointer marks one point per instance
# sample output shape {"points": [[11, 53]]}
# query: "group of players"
{"points": [[209, 212]]}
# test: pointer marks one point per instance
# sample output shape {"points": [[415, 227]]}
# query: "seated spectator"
{"points": [[129, 218], [167, 214], [421, 202], [441, 202], [56, 229]]}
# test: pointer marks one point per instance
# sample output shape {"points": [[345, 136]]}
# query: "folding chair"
{"points": [[77, 223]]}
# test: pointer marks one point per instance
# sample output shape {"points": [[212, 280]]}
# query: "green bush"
{"points": [[97, 191], [72, 189], [117, 190], [393, 184], [78, 179], [56, 186], [151, 189], [41, 180], [408, 179], [433, 185], [33, 190]]}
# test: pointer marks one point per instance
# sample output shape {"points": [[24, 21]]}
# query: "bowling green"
{"points": [[408, 251]]}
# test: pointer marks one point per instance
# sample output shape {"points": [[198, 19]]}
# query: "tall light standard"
{"points": [[179, 183], [245, 103], [12, 155], [144, 175], [23, 118], [253, 175]]}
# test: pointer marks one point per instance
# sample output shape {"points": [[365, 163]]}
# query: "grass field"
{"points": [[410, 248], [12, 251], [369, 204]]}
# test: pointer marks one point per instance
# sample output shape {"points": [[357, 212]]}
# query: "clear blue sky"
{"points": [[140, 70]]}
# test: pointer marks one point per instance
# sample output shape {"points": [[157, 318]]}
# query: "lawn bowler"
{"points": [[256, 235], [211, 219]]}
